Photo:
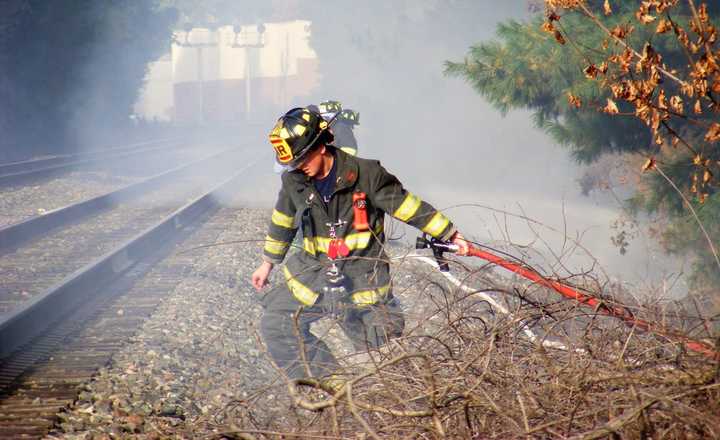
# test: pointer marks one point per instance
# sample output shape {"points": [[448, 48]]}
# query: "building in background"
{"points": [[230, 74]]}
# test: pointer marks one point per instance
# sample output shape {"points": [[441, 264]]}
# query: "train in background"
{"points": [[230, 74]]}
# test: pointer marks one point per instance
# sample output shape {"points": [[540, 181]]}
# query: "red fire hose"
{"points": [[621, 313], [615, 311]]}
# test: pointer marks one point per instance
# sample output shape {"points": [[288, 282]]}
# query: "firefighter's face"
{"points": [[312, 166]]}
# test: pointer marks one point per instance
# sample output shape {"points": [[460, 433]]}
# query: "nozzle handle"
{"points": [[439, 247]]}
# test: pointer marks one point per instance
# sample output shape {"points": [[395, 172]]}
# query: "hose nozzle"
{"points": [[438, 247]]}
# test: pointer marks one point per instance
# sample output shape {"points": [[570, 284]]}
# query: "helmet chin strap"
{"points": [[333, 119], [322, 130]]}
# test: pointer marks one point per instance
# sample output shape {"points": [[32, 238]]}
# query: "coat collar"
{"points": [[346, 171]]}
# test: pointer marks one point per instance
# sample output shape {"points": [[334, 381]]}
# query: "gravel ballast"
{"points": [[197, 361]]}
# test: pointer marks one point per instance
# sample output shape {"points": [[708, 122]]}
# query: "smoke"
{"points": [[385, 60]]}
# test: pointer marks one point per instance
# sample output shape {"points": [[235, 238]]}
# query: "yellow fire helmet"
{"points": [[295, 133], [350, 116]]}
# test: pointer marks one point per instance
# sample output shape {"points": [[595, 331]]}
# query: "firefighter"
{"points": [[339, 201], [344, 125]]}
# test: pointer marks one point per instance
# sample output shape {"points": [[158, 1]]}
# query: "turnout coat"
{"points": [[299, 205]]}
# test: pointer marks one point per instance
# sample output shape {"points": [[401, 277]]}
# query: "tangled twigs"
{"points": [[464, 369], [615, 426], [244, 434], [337, 395], [356, 414]]}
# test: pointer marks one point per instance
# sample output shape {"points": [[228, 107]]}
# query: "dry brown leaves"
{"points": [[574, 100], [657, 91]]}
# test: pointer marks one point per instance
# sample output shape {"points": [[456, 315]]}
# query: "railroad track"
{"points": [[33, 164], [15, 173], [59, 336], [19, 202], [32, 228], [78, 234]]}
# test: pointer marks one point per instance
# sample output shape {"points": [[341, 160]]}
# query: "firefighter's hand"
{"points": [[261, 274], [463, 246]]}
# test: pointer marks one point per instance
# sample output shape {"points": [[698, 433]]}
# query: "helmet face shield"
{"points": [[298, 160]]}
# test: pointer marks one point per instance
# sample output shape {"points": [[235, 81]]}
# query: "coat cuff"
{"points": [[272, 259], [451, 230]]}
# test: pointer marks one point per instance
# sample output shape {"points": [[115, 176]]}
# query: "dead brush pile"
{"points": [[503, 359]]}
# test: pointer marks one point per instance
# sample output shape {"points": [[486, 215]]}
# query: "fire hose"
{"points": [[622, 313]]}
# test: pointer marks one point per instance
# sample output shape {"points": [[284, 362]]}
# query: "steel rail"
{"points": [[16, 234], [41, 313], [18, 172], [32, 164]]}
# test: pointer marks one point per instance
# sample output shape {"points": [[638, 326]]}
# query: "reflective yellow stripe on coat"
{"points": [[300, 291], [368, 297], [313, 245], [358, 240], [308, 297], [436, 225], [408, 207], [349, 150], [282, 220], [275, 247]]}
